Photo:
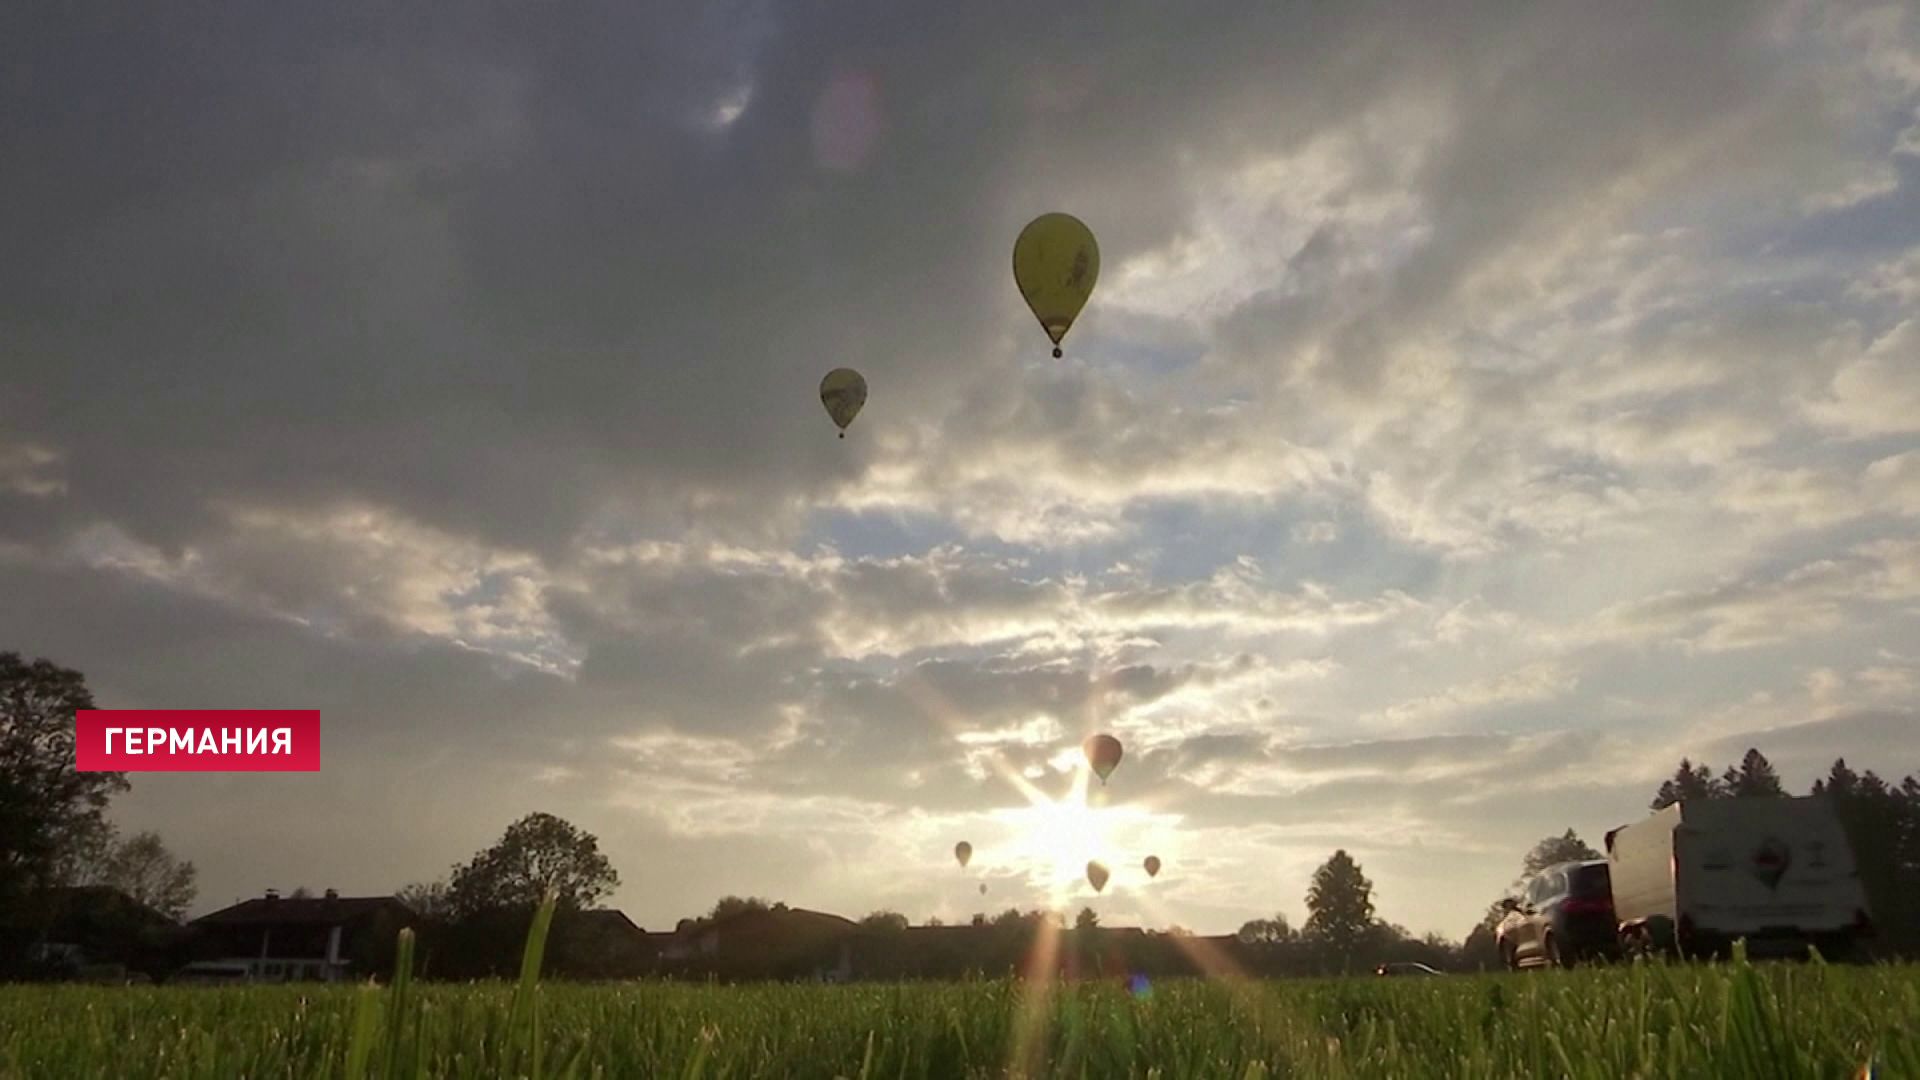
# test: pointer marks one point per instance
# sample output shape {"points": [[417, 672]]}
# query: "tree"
{"points": [[300, 892], [1880, 821], [48, 807], [1754, 778], [1481, 951], [144, 869], [1840, 783], [1567, 847], [1689, 782], [83, 859], [538, 853], [1013, 916], [427, 899], [890, 921], [728, 906], [1339, 904], [1088, 919], [1491, 920], [1274, 931]]}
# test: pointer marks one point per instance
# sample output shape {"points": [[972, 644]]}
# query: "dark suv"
{"points": [[1563, 915]]}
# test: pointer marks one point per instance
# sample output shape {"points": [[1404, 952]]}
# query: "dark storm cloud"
{"points": [[500, 271], [144, 644], [594, 296]]}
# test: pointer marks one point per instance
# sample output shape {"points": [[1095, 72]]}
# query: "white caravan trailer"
{"points": [[1695, 876]]}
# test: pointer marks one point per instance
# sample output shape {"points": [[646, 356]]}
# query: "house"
{"points": [[602, 943], [781, 943], [84, 931], [326, 938]]}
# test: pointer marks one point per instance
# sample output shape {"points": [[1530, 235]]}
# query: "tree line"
{"points": [[53, 832]]}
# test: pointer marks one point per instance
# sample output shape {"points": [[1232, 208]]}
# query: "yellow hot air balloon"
{"points": [[1097, 876], [1153, 866], [963, 851], [843, 392], [1056, 262], [1103, 753]]}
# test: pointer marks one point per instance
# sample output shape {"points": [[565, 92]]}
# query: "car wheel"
{"points": [[1508, 956]]}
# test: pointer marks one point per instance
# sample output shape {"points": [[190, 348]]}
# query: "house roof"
{"points": [[611, 919], [305, 911], [815, 920], [81, 901]]}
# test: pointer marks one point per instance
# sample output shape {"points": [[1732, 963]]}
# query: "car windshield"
{"points": [[1591, 880]]}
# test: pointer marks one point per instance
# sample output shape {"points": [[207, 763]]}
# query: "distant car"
{"points": [[1563, 915], [1407, 968]]}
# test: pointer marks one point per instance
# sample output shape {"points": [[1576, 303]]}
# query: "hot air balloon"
{"points": [[1096, 875], [1103, 753], [843, 392], [963, 851], [1055, 263], [983, 888], [1153, 866]]}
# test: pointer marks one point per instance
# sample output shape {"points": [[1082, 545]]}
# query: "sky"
{"points": [[1478, 410]]}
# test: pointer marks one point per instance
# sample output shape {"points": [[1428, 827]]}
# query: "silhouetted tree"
{"points": [[1011, 917], [885, 920], [1495, 913], [1689, 782], [1481, 950], [728, 906], [426, 899], [1753, 778], [1881, 821], [537, 853], [143, 868], [1088, 919], [48, 807], [1567, 847], [1339, 905], [1274, 931]]}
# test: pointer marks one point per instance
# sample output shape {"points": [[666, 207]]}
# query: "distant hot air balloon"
{"points": [[1153, 866], [1055, 263], [1103, 753], [1097, 875], [983, 888], [963, 851], [843, 392]]}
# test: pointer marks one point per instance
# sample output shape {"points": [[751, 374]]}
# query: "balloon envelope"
{"points": [[843, 392], [1153, 866], [963, 851], [983, 888], [1055, 263], [1103, 753], [1096, 876]]}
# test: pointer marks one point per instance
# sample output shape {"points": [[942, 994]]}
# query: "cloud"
{"points": [[1463, 427], [1750, 612], [1879, 392]]}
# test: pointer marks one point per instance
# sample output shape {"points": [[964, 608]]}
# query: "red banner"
{"points": [[197, 740]]}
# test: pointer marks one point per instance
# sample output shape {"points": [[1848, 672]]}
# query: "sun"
{"points": [[1059, 836]]}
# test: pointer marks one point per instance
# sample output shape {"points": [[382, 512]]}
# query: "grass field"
{"points": [[1788, 1021]]}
